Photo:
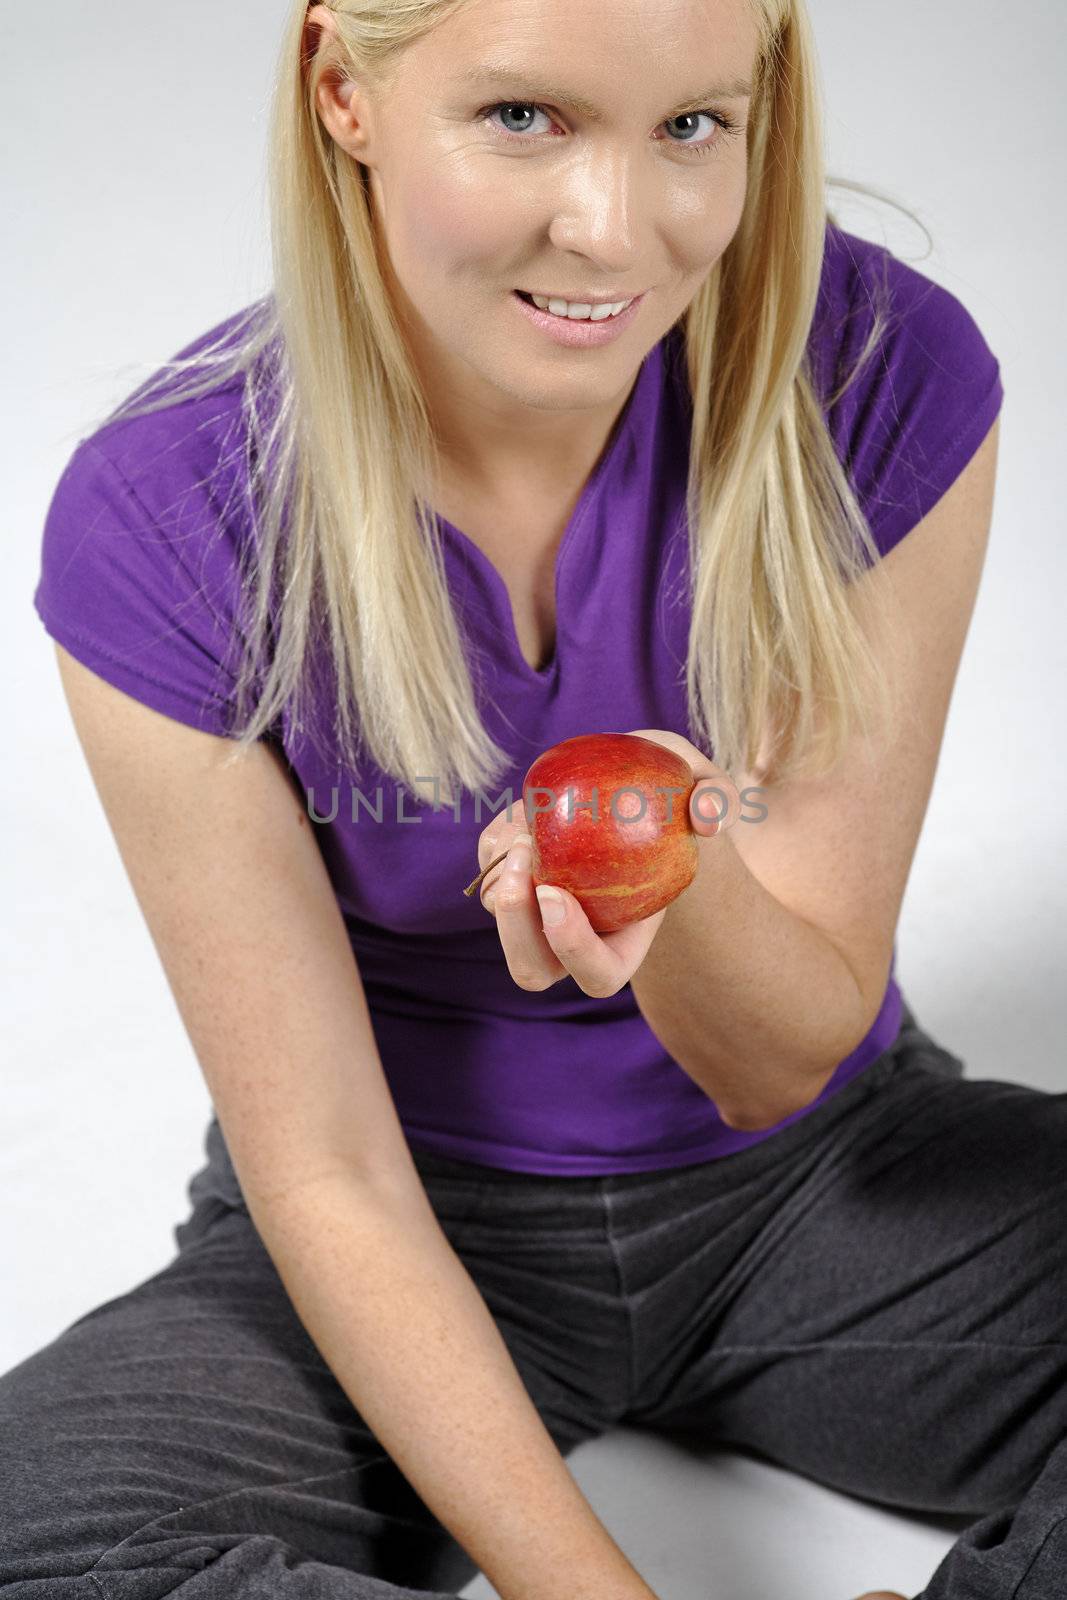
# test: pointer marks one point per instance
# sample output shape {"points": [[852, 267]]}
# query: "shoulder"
{"points": [[166, 485], [923, 324], [148, 538], [908, 382], [188, 439]]}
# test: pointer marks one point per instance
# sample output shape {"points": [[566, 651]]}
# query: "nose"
{"points": [[601, 211]]}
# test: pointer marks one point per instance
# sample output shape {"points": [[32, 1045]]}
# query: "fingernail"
{"points": [[553, 910], [519, 854], [710, 806]]}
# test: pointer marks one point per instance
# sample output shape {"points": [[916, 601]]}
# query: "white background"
{"points": [[133, 187]]}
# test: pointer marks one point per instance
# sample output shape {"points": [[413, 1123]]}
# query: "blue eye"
{"points": [[511, 105], [725, 124]]}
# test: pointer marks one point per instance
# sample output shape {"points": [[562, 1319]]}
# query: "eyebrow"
{"points": [[499, 72]]}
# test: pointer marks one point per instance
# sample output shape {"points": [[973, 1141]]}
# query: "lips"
{"points": [[578, 333]]}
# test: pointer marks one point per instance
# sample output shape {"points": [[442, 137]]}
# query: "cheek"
{"points": [[705, 218], [451, 224]]}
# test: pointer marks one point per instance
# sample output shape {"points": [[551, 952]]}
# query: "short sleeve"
{"points": [[924, 400], [145, 594]]}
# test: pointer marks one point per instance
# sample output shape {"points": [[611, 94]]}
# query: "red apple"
{"points": [[609, 818]]}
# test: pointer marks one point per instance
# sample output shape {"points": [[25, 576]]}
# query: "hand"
{"points": [[540, 953]]}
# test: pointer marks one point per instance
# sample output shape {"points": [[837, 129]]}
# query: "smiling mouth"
{"points": [[523, 295], [601, 312]]}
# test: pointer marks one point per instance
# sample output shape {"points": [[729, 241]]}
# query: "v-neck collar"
{"points": [[578, 519]]}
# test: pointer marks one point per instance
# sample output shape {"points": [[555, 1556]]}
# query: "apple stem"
{"points": [[472, 887]]}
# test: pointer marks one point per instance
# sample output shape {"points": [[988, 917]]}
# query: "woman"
{"points": [[480, 1187]]}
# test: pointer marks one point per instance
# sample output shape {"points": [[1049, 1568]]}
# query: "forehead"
{"points": [[598, 44]]}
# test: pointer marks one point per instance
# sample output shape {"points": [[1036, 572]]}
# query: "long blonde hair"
{"points": [[342, 457]]}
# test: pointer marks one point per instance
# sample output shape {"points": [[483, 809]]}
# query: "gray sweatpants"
{"points": [[875, 1297]]}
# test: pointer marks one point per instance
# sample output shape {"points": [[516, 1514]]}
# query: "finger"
{"points": [[487, 891], [493, 843], [714, 805], [489, 884], [531, 961], [600, 964], [495, 839]]}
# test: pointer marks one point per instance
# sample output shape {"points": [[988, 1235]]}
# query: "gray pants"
{"points": [[874, 1297]]}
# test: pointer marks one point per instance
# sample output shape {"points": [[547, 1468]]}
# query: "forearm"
{"points": [[757, 1005], [402, 1326]]}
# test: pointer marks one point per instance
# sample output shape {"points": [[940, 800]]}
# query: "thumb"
{"points": [[714, 804]]}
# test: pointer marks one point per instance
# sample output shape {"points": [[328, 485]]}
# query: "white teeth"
{"points": [[577, 312]]}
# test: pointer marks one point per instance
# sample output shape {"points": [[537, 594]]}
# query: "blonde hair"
{"points": [[342, 457]]}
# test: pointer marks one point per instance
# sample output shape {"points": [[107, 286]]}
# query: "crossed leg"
{"points": [[189, 1436]]}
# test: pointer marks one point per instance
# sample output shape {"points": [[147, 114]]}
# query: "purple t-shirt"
{"points": [[139, 582]]}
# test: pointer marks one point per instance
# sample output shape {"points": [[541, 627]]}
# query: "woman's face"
{"points": [[489, 176]]}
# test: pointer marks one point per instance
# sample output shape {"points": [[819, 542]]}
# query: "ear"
{"points": [[320, 35], [334, 94]]}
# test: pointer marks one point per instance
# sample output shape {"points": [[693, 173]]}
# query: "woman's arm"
{"points": [[772, 966], [410, 1339], [241, 910]]}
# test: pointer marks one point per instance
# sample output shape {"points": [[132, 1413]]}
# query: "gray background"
{"points": [[133, 187]]}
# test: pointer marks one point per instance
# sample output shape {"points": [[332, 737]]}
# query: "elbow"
{"points": [[759, 1117], [747, 1119]]}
